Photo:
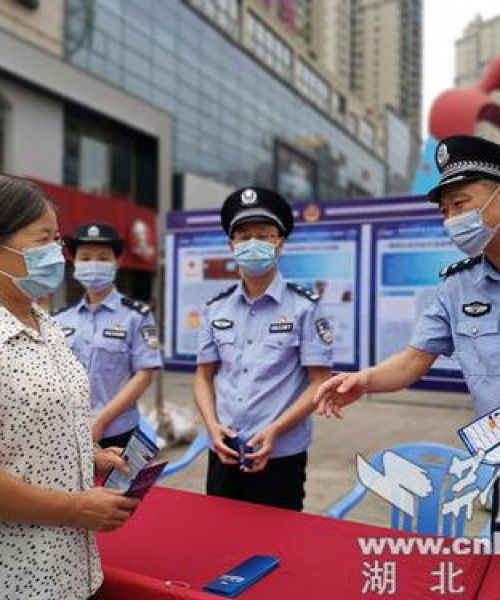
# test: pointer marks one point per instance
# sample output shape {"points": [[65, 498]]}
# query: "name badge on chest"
{"points": [[68, 331], [116, 334], [280, 327]]}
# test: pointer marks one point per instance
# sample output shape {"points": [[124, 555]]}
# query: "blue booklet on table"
{"points": [[238, 579]]}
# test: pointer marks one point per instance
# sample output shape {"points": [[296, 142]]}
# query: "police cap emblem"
{"points": [[93, 231], [442, 155], [248, 197]]}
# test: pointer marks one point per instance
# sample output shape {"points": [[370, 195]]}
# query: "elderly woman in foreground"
{"points": [[48, 505]]}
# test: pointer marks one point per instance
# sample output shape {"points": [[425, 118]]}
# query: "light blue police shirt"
{"points": [[464, 318], [264, 347], [113, 341]]}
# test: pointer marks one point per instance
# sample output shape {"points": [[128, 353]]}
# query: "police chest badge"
{"points": [[324, 331], [281, 327], [476, 309], [222, 323], [115, 333], [150, 336]]}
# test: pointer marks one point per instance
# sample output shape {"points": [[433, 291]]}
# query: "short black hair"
{"points": [[21, 203]]}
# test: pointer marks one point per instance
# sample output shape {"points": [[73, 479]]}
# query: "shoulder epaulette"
{"points": [[302, 291], [58, 311], [137, 305], [462, 265], [224, 294]]}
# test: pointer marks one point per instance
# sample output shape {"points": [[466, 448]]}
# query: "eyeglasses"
{"points": [[244, 237]]}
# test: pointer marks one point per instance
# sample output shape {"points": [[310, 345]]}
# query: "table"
{"points": [[490, 588], [193, 538]]}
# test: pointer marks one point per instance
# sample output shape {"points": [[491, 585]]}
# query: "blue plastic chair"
{"points": [[435, 459], [197, 446]]}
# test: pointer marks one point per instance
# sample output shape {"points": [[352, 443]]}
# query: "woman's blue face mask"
{"points": [[469, 232], [44, 268]]}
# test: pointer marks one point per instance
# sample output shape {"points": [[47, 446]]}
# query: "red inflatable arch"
{"points": [[457, 111]]}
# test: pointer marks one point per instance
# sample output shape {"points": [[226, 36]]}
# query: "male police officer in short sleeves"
{"points": [[464, 316], [264, 347], [113, 336]]}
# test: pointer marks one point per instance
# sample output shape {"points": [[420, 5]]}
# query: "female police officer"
{"points": [[113, 336]]}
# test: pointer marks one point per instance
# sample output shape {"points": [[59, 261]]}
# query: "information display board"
{"points": [[376, 262]]}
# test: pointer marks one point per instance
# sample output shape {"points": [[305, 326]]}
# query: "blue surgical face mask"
{"points": [[95, 274], [44, 268], [469, 231], [255, 257]]}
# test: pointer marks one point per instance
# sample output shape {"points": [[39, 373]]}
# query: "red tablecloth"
{"points": [[193, 538], [490, 588]]}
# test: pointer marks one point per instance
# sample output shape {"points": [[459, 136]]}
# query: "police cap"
{"points": [[95, 233], [256, 205], [463, 159]]}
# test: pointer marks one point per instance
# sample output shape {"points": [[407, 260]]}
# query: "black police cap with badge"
{"points": [[256, 205], [94, 233], [463, 159]]}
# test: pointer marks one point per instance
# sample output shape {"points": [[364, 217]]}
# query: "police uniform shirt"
{"points": [[263, 347], [464, 318], [113, 341]]}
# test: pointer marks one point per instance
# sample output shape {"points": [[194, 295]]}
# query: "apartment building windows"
{"points": [[312, 85], [269, 47], [225, 13], [338, 104]]}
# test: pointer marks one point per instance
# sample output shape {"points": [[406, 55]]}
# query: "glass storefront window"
{"points": [[94, 166], [98, 160]]}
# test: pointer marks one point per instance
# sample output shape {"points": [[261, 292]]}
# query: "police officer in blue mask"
{"points": [[464, 316], [113, 336], [264, 347]]}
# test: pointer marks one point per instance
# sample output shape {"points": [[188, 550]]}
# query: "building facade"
{"points": [[479, 44], [370, 53], [386, 56], [249, 104], [95, 149]]}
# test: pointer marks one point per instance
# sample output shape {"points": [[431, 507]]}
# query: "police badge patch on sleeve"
{"points": [[324, 331], [150, 337]]}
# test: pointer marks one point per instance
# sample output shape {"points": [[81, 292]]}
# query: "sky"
{"points": [[444, 22]]}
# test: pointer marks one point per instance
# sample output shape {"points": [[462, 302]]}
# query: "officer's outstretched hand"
{"points": [[263, 443], [218, 433], [339, 391]]}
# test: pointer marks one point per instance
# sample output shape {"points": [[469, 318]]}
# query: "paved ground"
{"points": [[375, 423]]}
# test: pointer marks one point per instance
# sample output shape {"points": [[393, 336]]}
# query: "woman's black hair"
{"points": [[21, 203]]}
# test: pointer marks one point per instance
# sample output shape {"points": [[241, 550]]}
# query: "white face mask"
{"points": [[469, 232], [255, 257], [95, 274]]}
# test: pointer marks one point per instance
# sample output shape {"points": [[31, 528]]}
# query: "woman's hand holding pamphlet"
{"points": [[139, 454]]}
